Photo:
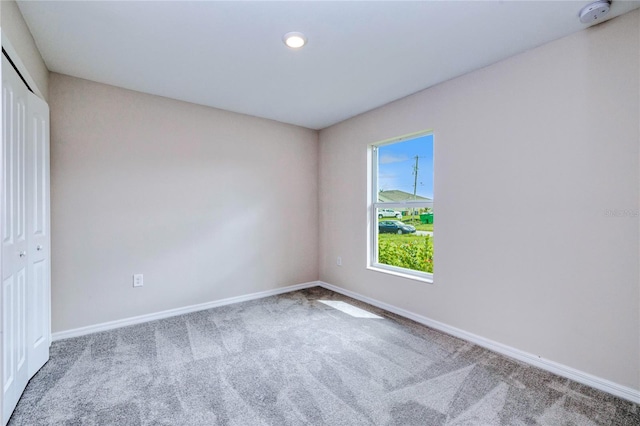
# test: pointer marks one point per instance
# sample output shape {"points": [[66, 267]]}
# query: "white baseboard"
{"points": [[548, 365], [178, 311], [604, 385]]}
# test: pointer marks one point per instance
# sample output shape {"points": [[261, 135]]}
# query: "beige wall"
{"points": [[15, 29], [207, 204], [530, 152]]}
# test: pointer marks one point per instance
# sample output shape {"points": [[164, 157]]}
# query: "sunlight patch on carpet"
{"points": [[349, 309]]}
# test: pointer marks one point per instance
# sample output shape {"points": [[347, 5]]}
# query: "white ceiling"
{"points": [[230, 55]]}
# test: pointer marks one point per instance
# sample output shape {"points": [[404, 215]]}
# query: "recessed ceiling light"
{"points": [[294, 40]]}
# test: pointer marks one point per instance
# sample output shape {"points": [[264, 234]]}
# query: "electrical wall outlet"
{"points": [[339, 261], [138, 280]]}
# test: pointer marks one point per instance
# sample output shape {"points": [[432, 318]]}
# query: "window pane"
{"points": [[405, 171], [404, 182], [406, 242]]}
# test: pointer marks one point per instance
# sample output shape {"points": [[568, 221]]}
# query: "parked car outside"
{"points": [[395, 227], [389, 213]]}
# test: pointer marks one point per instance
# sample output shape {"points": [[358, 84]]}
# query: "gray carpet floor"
{"points": [[307, 357]]}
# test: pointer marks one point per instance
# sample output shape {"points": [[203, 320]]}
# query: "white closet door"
{"points": [[14, 239], [38, 238]]}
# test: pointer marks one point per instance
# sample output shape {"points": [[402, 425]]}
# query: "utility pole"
{"points": [[415, 180]]}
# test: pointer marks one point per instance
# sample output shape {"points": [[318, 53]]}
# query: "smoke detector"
{"points": [[594, 12]]}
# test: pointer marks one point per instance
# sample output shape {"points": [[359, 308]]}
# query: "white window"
{"points": [[402, 206]]}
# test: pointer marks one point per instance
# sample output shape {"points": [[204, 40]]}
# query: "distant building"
{"points": [[397, 196]]}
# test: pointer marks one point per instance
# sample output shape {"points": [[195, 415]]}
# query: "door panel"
{"points": [[7, 166], [40, 158], [14, 240], [8, 358], [38, 233], [19, 169], [40, 325], [21, 323]]}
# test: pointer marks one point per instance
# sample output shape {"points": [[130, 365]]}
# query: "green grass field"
{"points": [[422, 226], [400, 239]]}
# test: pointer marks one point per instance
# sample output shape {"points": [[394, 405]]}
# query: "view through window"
{"points": [[402, 181]]}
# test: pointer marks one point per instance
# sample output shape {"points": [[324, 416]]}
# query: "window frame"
{"points": [[374, 205]]}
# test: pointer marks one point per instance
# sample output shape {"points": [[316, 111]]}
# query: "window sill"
{"points": [[422, 277]]}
